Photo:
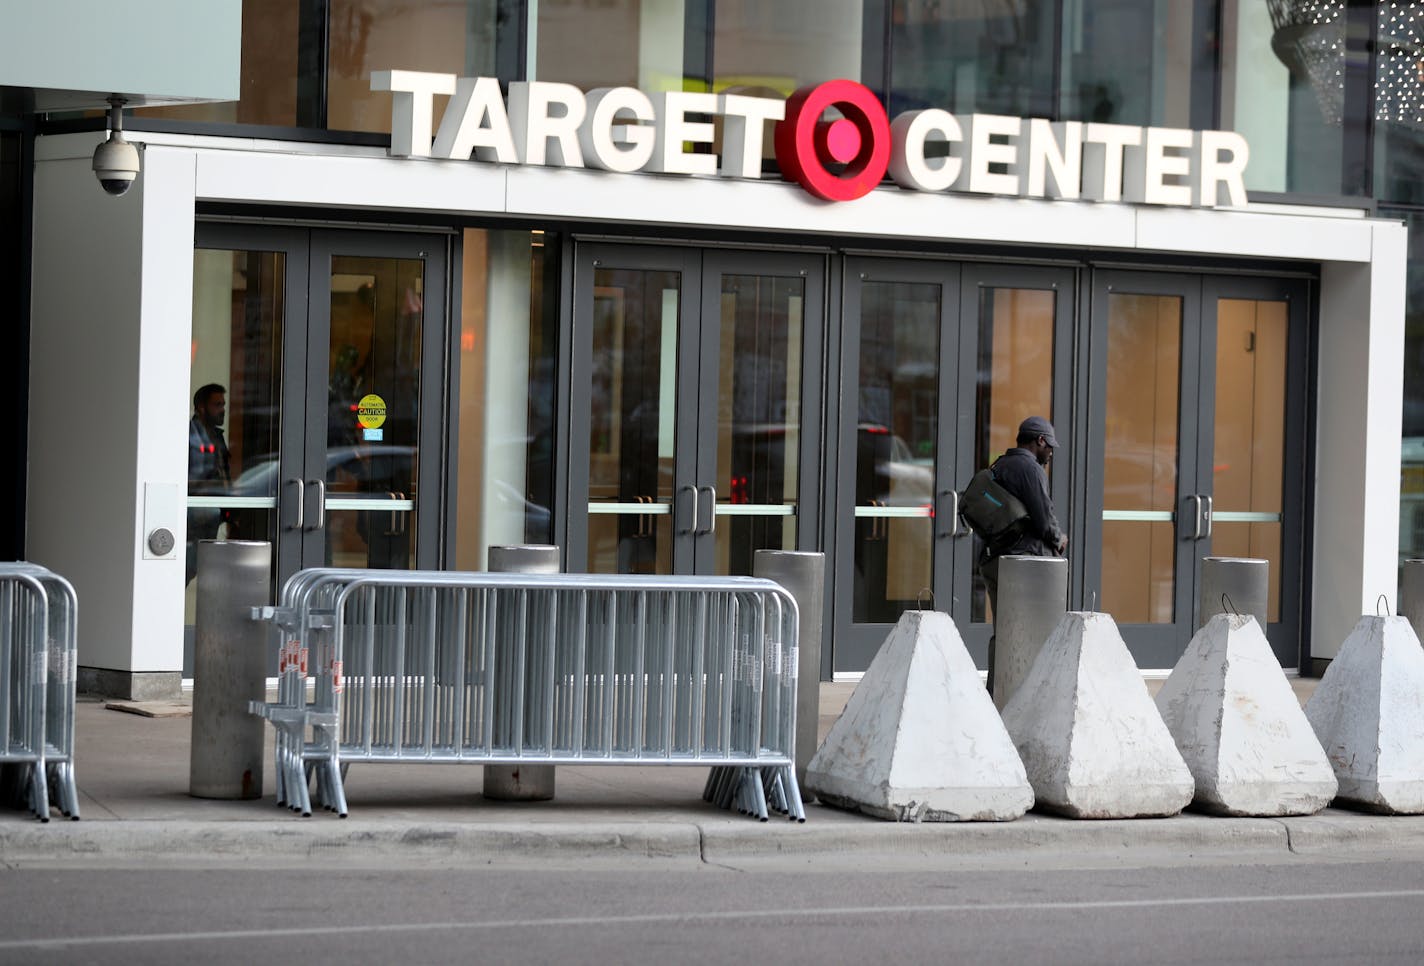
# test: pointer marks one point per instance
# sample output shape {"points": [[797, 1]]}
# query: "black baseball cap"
{"points": [[1038, 426]]}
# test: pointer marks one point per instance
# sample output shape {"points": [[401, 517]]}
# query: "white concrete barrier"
{"points": [[1368, 712], [1240, 728], [1089, 735], [919, 740]]}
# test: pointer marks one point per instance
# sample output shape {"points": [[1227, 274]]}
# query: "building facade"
{"points": [[481, 272]]}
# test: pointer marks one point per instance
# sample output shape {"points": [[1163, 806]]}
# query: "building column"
{"points": [[1359, 399], [110, 331]]}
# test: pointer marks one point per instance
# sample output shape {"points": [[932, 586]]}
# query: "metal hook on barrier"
{"points": [[1227, 605], [1093, 606], [1382, 601], [920, 598]]}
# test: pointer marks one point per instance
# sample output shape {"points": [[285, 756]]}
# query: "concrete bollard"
{"points": [[521, 783], [803, 574], [1033, 597], [229, 669], [1411, 595], [1245, 582]]}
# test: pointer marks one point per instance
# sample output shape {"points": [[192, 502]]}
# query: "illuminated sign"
{"points": [[836, 156]]}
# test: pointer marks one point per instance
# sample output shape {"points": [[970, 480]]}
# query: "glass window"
{"points": [[1140, 457], [1283, 88], [609, 43], [895, 448], [771, 49], [1143, 62], [449, 36], [994, 57], [235, 387], [1015, 381], [1411, 499], [272, 61], [1399, 103], [507, 392]]}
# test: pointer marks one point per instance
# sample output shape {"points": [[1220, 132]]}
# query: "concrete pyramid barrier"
{"points": [[1240, 728], [920, 740], [1368, 712], [1089, 735]]}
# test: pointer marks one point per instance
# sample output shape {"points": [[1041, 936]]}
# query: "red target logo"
{"points": [[807, 144]]}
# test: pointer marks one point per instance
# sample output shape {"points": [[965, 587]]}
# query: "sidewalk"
{"points": [[133, 782]]}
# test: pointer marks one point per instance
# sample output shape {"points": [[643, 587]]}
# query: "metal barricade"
{"points": [[39, 615], [495, 668]]}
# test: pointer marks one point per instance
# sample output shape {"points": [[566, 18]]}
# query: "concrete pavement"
{"points": [[133, 781]]}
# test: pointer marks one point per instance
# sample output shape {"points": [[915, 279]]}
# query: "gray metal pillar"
{"points": [[1033, 597], [229, 669], [1411, 595], [521, 783], [1246, 584], [803, 574]]}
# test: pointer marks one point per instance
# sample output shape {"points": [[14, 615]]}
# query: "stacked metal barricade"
{"points": [[491, 668], [39, 615]]}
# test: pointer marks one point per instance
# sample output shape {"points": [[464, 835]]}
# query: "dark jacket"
{"points": [[1018, 472]]}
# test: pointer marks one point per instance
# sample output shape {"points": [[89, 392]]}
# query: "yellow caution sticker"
{"points": [[371, 411]]}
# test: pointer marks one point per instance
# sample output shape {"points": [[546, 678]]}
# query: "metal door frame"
{"points": [[717, 263], [682, 519], [1154, 646], [1066, 459], [305, 359], [1285, 635], [696, 402], [855, 644]]}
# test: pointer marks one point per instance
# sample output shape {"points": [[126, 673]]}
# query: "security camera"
{"points": [[116, 160]]}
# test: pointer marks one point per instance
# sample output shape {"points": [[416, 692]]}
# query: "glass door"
{"points": [[695, 366], [373, 405], [317, 373], [940, 363], [1197, 452]]}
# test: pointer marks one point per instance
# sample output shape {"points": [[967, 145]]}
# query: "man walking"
{"points": [[1021, 472]]}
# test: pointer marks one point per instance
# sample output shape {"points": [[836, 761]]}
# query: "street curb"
{"points": [[265, 841], [732, 839], [1026, 836]]}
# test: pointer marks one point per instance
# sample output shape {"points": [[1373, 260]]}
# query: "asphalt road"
{"points": [[1295, 910]]}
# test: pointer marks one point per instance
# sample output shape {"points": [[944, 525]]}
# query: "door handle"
{"points": [[1207, 514], [1196, 515], [680, 490], [300, 503], [711, 509], [320, 504], [954, 528]]}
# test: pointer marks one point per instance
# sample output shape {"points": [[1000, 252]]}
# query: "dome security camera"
{"points": [[116, 161]]}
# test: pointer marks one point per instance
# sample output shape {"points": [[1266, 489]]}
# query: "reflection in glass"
{"points": [[1291, 119], [771, 49], [373, 409], [269, 76], [504, 482], [994, 58], [610, 43], [1399, 103], [238, 315], [1140, 450], [896, 441], [446, 36], [1249, 433], [1015, 381], [758, 417], [1142, 62], [632, 408]]}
